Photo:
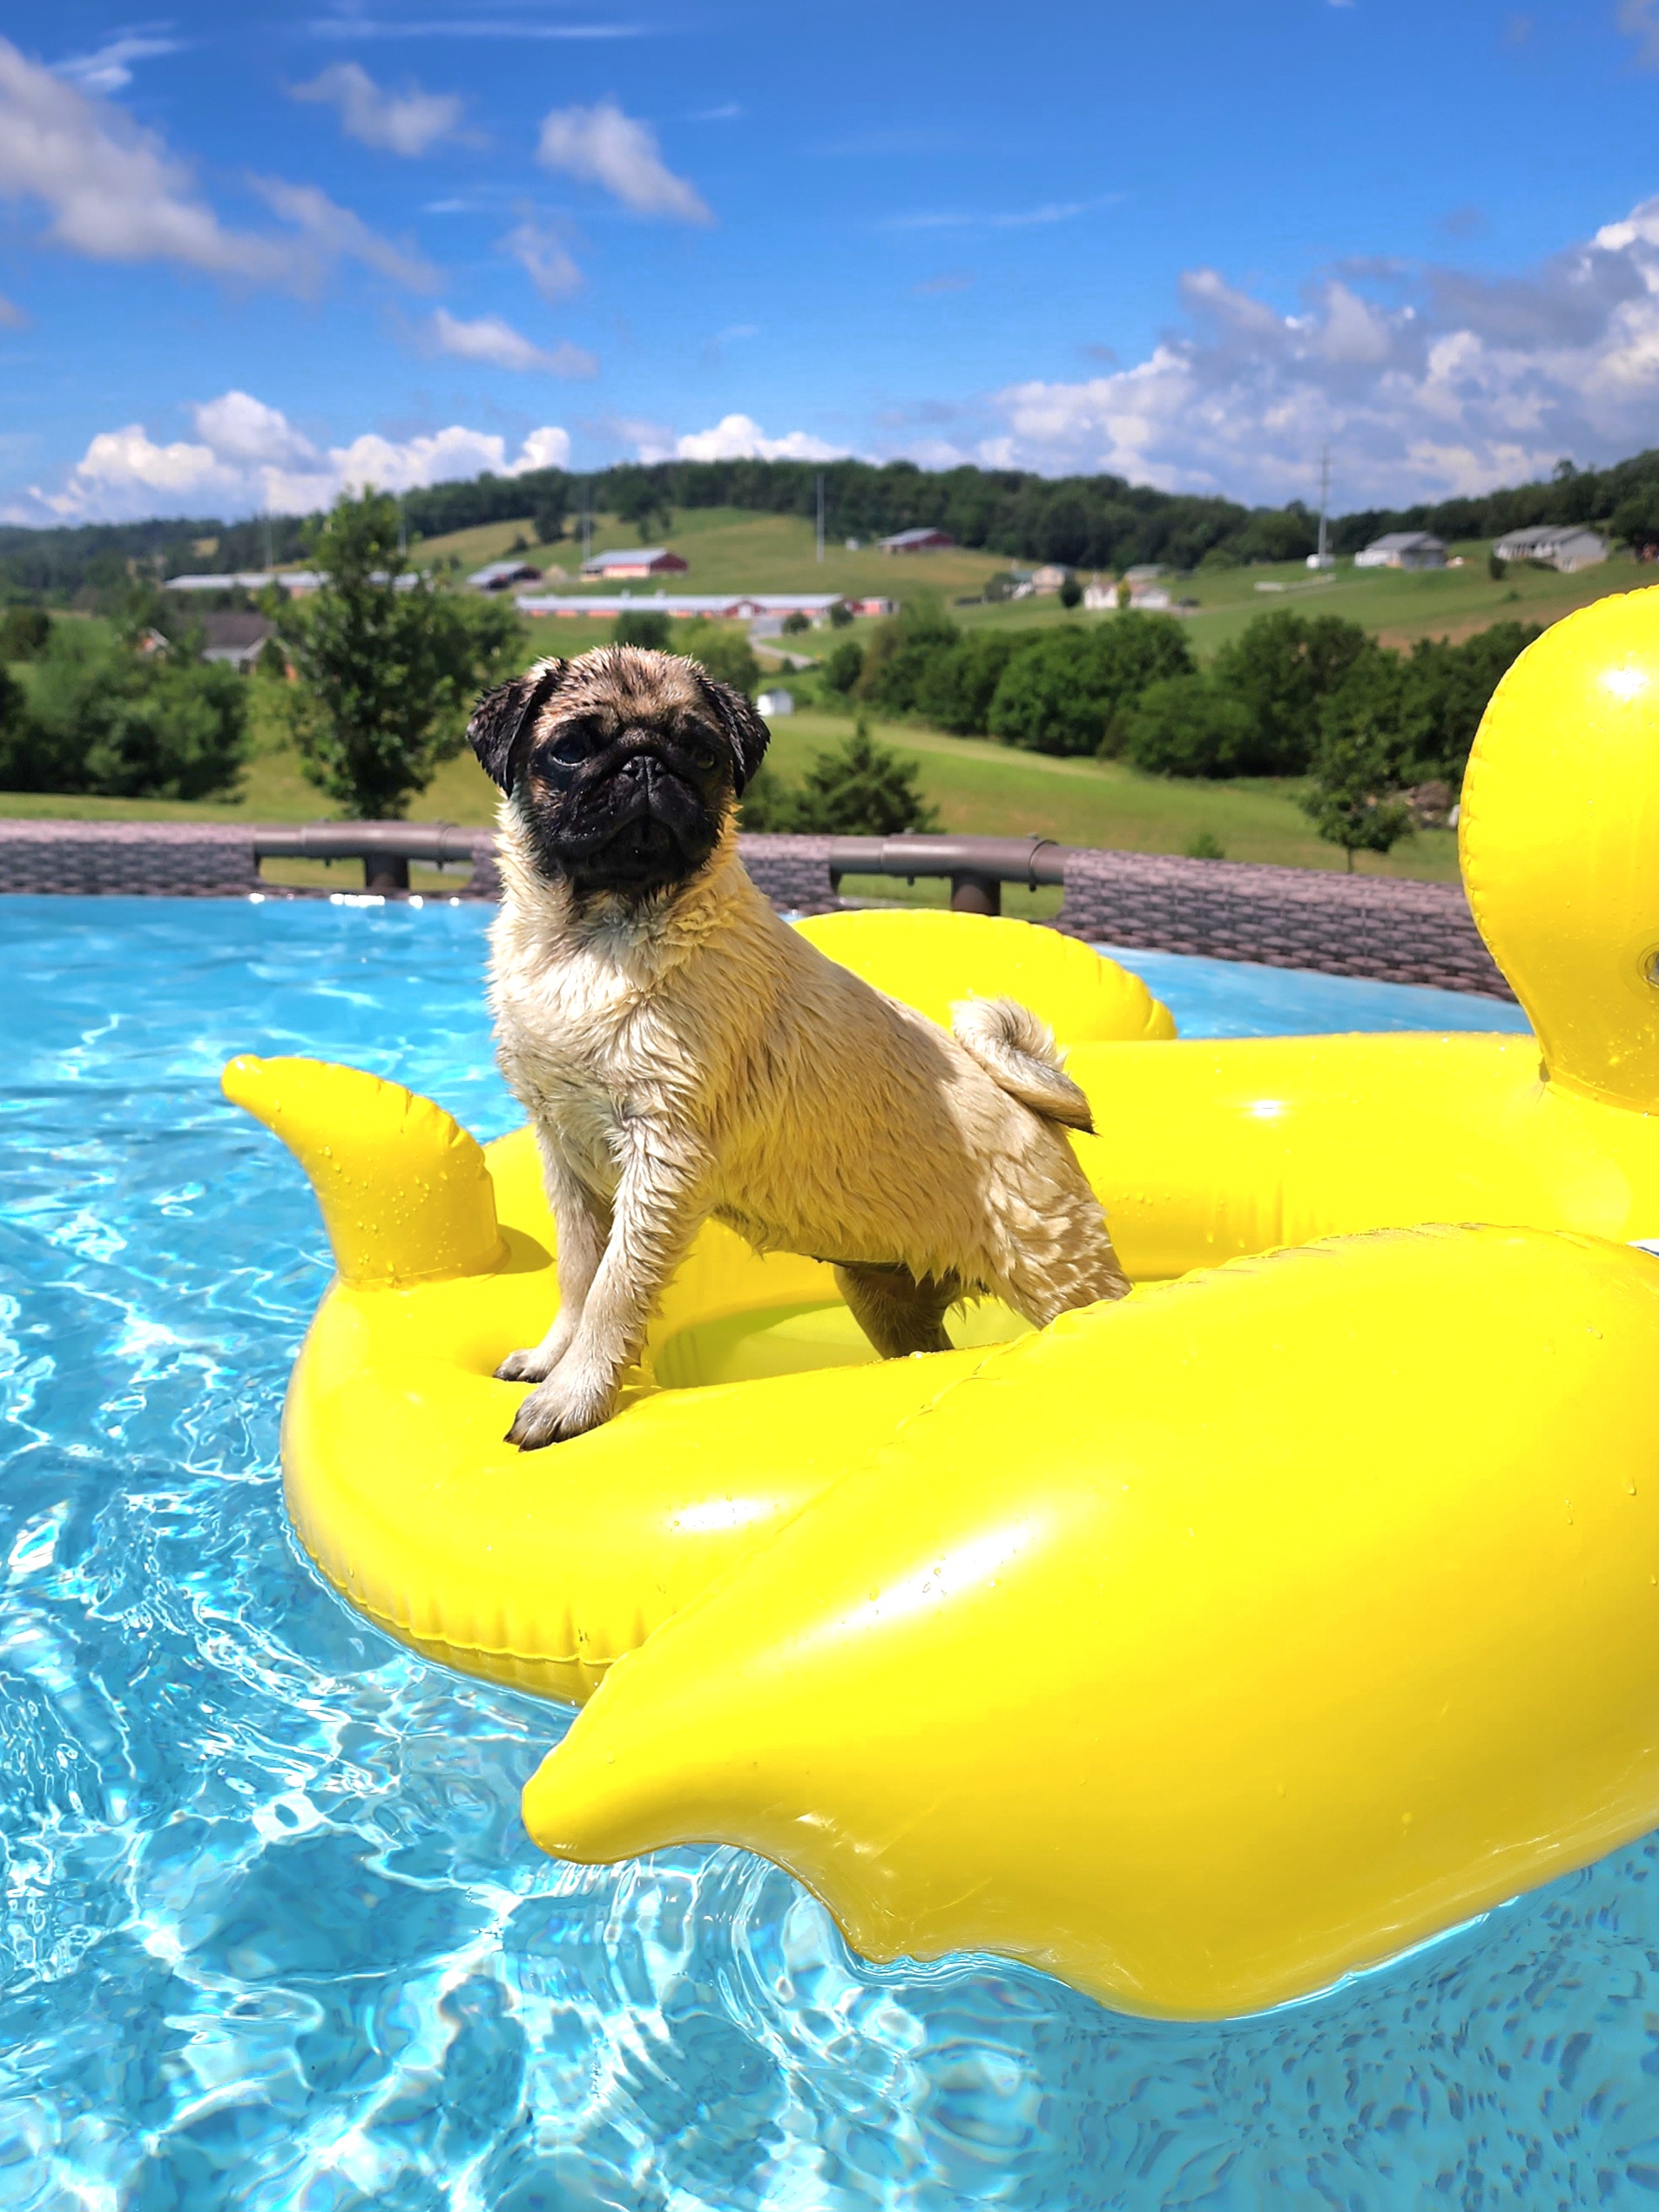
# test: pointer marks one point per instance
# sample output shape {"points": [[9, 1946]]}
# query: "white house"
{"points": [[1563, 545], [1403, 548], [771, 704]]}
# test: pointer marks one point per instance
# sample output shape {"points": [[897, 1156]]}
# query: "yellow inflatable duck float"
{"points": [[757, 1390], [1199, 1650], [1209, 1150]]}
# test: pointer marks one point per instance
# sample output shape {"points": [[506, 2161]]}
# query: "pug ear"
{"points": [[745, 732], [503, 719]]}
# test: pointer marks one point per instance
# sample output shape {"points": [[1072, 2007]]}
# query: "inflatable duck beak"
{"points": [[406, 1192]]}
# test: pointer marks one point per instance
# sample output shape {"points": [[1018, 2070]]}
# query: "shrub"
{"points": [[100, 719], [841, 615], [861, 788], [1187, 725], [1071, 594], [842, 666], [1205, 845], [1061, 693], [794, 625], [24, 632], [646, 629], [724, 652]]}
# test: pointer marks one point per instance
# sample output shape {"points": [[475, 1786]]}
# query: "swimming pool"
{"points": [[274, 1937]]}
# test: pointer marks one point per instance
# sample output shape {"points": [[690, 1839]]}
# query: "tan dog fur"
{"points": [[692, 1054]]}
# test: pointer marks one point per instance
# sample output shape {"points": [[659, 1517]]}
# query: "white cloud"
{"points": [[545, 259], [1424, 383], [339, 236], [739, 438], [496, 343], [248, 458], [114, 192], [401, 123], [110, 67], [1011, 219], [603, 146], [1639, 19]]}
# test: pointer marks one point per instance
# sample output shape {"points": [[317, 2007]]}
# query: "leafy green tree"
{"points": [[1497, 567], [955, 691], [1635, 520], [101, 719], [861, 788], [23, 633], [1062, 693], [1355, 800], [841, 615], [1280, 667], [22, 756], [900, 652], [726, 653], [646, 629], [1071, 594], [844, 665], [1443, 692], [385, 671], [796, 624], [1188, 725]]}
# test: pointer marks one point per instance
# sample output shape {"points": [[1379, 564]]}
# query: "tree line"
{"points": [[1291, 694], [1078, 522]]}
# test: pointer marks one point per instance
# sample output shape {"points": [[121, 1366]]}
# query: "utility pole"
{"points": [[820, 514], [1323, 559]]}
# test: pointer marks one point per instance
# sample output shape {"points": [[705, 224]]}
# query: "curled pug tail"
{"points": [[1018, 1052]]}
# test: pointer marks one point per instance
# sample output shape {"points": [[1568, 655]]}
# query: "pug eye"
{"points": [[701, 750], [572, 743]]}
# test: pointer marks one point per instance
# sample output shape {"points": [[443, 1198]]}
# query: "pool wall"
{"points": [[1307, 919]]}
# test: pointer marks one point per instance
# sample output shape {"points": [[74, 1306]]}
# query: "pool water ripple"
{"points": [[273, 1934]]}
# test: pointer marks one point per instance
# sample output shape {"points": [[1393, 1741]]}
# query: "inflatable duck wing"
{"points": [[1202, 1647]]}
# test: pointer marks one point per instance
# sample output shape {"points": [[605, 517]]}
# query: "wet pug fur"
{"points": [[683, 1054]]}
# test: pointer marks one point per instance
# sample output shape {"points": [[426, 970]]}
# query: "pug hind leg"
{"points": [[898, 1314]]}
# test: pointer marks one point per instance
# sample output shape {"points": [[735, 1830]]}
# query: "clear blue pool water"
{"points": [[273, 1937]]}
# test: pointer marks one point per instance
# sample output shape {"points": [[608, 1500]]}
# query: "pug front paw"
{"points": [[560, 1409], [534, 1364]]}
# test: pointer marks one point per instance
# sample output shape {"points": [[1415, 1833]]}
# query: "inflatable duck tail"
{"points": [[406, 1192]]}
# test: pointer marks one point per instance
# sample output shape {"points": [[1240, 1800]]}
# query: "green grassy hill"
{"points": [[727, 549], [730, 551]]}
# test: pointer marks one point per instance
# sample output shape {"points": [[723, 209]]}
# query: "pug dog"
{"points": [[684, 1052]]}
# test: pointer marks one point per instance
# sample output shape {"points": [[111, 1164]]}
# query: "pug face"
{"points": [[623, 765]]}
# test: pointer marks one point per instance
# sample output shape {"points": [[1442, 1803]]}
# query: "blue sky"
{"points": [[249, 254]]}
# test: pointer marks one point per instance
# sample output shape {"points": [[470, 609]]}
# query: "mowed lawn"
{"points": [[979, 788]]}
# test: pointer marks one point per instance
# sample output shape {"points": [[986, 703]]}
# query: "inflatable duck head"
{"points": [[1559, 842]]}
